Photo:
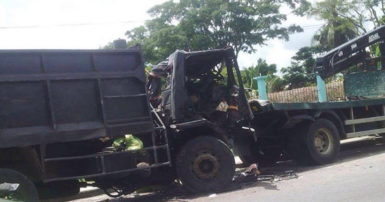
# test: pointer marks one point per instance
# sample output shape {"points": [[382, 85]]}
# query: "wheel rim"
{"points": [[14, 195], [206, 166], [323, 141]]}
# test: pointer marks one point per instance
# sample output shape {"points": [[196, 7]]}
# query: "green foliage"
{"points": [[274, 82], [117, 44], [338, 27], [295, 76], [346, 19], [363, 12], [300, 73], [127, 143], [261, 69], [210, 24], [243, 24]]}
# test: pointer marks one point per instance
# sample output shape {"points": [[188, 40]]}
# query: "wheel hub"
{"points": [[322, 140], [206, 166]]}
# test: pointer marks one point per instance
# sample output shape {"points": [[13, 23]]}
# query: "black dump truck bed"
{"points": [[49, 96]]}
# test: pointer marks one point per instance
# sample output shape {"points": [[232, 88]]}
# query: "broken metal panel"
{"points": [[178, 90], [365, 84], [195, 64]]}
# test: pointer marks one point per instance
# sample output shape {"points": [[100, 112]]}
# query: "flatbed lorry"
{"points": [[310, 132]]}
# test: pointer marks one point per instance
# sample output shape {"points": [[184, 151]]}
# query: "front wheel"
{"points": [[14, 186], [205, 164]]}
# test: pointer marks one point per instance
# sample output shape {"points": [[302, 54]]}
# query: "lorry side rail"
{"points": [[107, 163], [353, 122]]}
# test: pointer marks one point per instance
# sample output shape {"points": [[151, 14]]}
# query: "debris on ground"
{"points": [[252, 173], [252, 170], [287, 175]]}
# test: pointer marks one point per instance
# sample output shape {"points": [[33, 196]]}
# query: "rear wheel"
{"points": [[320, 142], [16, 186], [205, 164]]}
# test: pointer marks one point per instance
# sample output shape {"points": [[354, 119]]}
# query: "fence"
{"points": [[335, 92]]}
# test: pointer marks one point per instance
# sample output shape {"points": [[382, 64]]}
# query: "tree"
{"points": [[209, 24], [117, 44], [367, 11], [274, 83], [294, 76], [346, 19], [339, 25], [300, 73]]}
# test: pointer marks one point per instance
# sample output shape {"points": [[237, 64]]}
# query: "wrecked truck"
{"points": [[61, 110]]}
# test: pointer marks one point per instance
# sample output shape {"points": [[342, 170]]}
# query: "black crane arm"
{"points": [[349, 53]]}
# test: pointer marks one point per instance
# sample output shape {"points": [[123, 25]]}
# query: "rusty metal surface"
{"points": [[366, 84]]}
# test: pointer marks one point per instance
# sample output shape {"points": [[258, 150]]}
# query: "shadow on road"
{"points": [[350, 151]]}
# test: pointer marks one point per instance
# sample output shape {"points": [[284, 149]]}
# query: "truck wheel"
{"points": [[321, 142], [205, 164], [26, 190]]}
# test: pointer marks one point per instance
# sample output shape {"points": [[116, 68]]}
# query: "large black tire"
{"points": [[26, 190], [205, 164], [320, 142]]}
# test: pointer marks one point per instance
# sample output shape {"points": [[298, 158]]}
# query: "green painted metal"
{"points": [[261, 87], [366, 84], [321, 86]]}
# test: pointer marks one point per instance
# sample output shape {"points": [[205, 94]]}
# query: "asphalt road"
{"points": [[358, 175]]}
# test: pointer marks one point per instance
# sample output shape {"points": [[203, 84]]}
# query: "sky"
{"points": [[91, 24]]}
